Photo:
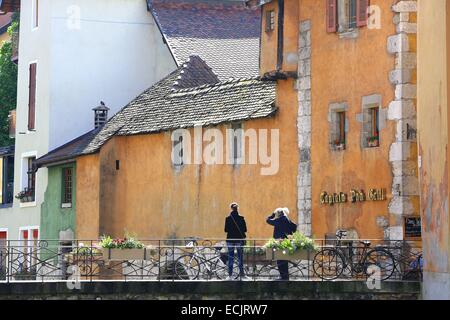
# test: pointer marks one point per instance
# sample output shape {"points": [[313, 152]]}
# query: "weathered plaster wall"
{"points": [[346, 70], [269, 40], [151, 199], [54, 218], [433, 125]]}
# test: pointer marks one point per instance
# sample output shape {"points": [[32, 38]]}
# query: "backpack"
{"points": [[292, 227]]}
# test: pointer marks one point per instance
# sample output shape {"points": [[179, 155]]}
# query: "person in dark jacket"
{"points": [[235, 228], [282, 229]]}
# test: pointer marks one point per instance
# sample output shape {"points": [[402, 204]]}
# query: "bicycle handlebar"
{"points": [[341, 233]]}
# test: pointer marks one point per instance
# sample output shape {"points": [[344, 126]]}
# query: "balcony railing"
{"points": [[206, 260]]}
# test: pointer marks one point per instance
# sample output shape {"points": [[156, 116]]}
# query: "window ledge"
{"points": [[66, 206], [28, 204], [349, 34]]}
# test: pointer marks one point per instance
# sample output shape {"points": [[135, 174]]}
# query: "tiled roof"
{"points": [[69, 150], [5, 22], [199, 73], [224, 33], [163, 107]]}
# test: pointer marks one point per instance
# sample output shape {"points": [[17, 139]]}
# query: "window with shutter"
{"points": [[32, 97], [331, 15], [362, 14]]}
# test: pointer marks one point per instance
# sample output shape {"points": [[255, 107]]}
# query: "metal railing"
{"points": [[206, 260]]}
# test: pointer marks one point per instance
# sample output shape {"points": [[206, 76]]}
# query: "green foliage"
{"points": [[126, 243], [8, 85], [292, 244], [85, 251]]}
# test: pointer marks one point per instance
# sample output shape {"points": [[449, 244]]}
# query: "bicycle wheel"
{"points": [[297, 270], [381, 258], [187, 266], [328, 264]]}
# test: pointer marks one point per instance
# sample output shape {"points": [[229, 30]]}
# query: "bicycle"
{"points": [[210, 264], [415, 269], [331, 262]]}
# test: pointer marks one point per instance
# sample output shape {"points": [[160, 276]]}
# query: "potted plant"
{"points": [[339, 145], [373, 141], [125, 249], [295, 247]]}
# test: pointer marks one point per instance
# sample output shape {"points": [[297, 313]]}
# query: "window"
{"points": [[7, 180], [27, 195], [35, 13], [371, 127], [67, 184], [270, 20], [340, 141], [177, 150], [237, 143], [346, 15], [338, 126], [32, 97], [31, 173]]}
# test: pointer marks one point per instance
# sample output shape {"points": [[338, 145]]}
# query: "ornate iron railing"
{"points": [[206, 260]]}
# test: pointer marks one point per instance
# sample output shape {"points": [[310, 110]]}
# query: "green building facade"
{"points": [[58, 209]]}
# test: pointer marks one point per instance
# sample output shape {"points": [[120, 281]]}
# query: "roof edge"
{"points": [[150, 9]]}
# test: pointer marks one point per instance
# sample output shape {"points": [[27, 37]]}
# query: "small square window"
{"points": [[270, 20]]}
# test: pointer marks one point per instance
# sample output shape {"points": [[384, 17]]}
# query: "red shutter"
{"points": [[362, 14], [331, 15], [32, 97]]}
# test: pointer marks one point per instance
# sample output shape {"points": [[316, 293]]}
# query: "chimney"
{"points": [[100, 115]]}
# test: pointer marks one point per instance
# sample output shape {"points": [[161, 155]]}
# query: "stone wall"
{"points": [[304, 129], [403, 151]]}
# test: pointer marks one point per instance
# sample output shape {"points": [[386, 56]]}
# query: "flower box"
{"points": [[296, 256], [127, 254]]}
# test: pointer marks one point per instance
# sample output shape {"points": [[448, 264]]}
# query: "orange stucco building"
{"points": [[344, 107], [356, 102]]}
